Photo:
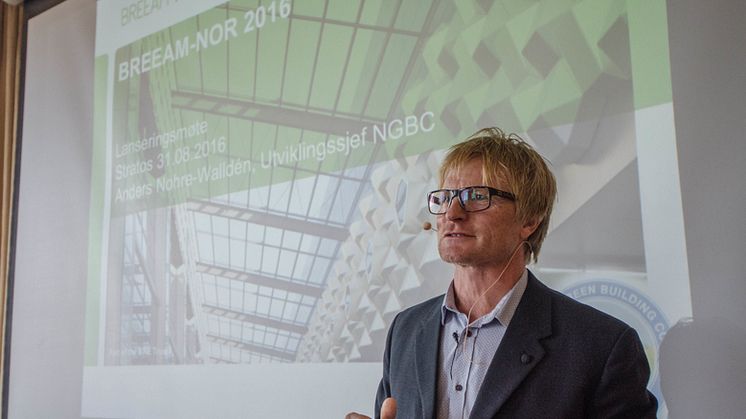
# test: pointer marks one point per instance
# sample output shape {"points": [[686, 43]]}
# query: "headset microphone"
{"points": [[428, 226]]}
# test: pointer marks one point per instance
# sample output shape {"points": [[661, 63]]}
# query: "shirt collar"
{"points": [[503, 311]]}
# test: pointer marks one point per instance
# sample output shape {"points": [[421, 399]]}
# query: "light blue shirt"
{"points": [[465, 355]]}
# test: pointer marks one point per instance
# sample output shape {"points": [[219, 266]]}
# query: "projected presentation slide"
{"points": [[260, 172]]}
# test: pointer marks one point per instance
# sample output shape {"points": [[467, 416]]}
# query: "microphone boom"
{"points": [[427, 225]]}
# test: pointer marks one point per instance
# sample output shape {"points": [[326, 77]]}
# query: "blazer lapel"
{"points": [[425, 348], [519, 351]]}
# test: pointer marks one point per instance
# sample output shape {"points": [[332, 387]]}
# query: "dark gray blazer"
{"points": [[559, 359]]}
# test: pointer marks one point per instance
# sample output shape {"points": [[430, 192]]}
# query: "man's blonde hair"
{"points": [[510, 158]]}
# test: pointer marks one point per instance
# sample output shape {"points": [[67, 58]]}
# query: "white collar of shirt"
{"points": [[503, 311]]}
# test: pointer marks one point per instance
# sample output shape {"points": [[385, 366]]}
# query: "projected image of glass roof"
{"points": [[270, 234]]}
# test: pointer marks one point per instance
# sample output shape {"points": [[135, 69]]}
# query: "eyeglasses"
{"points": [[472, 198]]}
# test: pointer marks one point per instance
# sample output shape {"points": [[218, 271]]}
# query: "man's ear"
{"points": [[529, 226]]}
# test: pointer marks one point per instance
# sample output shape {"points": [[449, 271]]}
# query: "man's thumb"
{"points": [[388, 409]]}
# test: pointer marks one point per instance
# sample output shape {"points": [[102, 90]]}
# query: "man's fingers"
{"points": [[388, 409]]}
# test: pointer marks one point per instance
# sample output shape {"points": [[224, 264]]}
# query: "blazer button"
{"points": [[526, 358]]}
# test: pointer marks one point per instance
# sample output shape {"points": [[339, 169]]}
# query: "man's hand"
{"points": [[388, 411]]}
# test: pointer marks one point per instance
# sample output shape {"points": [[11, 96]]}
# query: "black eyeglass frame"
{"points": [[458, 193]]}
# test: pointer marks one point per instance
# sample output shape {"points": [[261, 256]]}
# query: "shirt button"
{"points": [[459, 387], [468, 333]]}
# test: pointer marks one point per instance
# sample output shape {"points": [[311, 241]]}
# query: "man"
{"points": [[500, 344]]}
